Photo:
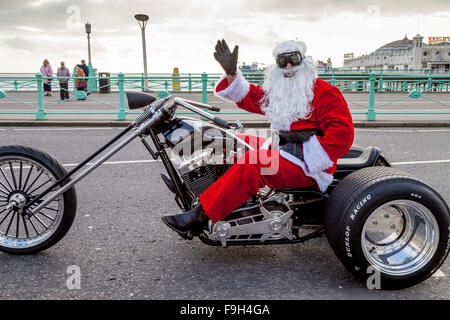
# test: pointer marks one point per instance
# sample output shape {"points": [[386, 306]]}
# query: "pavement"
{"points": [[124, 251], [108, 102]]}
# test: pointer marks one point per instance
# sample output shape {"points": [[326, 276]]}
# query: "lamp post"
{"points": [[87, 27], [92, 84], [142, 21]]}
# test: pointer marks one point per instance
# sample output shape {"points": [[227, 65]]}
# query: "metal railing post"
{"points": [[142, 82], [371, 114], [332, 78], [204, 91], [204, 88], [122, 114], [74, 78], [430, 80], [190, 83], [380, 84], [40, 114], [91, 79]]}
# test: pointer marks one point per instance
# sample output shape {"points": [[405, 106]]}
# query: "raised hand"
{"points": [[227, 60]]}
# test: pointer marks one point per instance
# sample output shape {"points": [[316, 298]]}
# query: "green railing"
{"points": [[346, 80], [413, 85]]}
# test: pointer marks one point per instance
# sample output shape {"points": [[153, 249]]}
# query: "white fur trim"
{"points": [[322, 178], [274, 126], [315, 156], [290, 46], [236, 91]]}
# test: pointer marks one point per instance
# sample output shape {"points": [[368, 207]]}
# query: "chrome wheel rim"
{"points": [[400, 237], [22, 178]]}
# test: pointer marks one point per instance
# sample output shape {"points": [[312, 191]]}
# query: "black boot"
{"points": [[188, 224]]}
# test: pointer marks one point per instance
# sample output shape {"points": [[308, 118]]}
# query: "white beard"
{"points": [[287, 96]]}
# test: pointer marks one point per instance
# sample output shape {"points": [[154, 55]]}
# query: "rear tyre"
{"points": [[382, 218], [25, 173]]}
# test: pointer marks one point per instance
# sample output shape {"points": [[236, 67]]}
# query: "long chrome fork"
{"points": [[138, 131]]}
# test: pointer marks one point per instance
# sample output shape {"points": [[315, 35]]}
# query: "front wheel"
{"points": [[380, 219], [25, 173]]}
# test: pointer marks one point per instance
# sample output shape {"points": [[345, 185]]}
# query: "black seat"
{"points": [[366, 159], [344, 166]]}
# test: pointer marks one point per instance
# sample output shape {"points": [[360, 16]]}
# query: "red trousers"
{"points": [[252, 171]]}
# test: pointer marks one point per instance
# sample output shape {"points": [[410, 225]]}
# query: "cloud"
{"points": [[184, 32], [29, 29], [310, 9], [20, 43]]}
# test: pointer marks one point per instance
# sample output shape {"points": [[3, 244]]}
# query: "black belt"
{"points": [[292, 141]]}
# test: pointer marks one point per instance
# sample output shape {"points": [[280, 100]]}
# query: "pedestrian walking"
{"points": [[63, 82], [47, 72]]}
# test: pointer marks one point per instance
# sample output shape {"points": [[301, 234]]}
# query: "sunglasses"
{"points": [[294, 58]]}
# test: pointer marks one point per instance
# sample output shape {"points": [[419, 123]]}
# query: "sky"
{"points": [[183, 33]]}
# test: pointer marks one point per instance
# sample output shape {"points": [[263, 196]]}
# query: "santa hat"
{"points": [[290, 46]]}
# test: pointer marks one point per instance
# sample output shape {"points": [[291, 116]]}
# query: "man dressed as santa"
{"points": [[314, 124]]}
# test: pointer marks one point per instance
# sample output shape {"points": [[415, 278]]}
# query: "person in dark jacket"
{"points": [[85, 68]]}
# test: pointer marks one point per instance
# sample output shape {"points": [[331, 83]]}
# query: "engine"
{"points": [[203, 169], [203, 152]]}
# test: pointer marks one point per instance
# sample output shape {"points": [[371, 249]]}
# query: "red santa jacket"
{"points": [[330, 115]]}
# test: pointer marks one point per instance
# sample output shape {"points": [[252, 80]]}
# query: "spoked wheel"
{"points": [[24, 174], [386, 219]]}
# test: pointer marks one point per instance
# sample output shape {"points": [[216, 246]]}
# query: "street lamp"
{"points": [[87, 27], [142, 21], [92, 85]]}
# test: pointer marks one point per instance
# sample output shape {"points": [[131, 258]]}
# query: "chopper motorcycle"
{"points": [[372, 214]]}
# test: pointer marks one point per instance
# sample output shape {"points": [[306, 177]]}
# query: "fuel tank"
{"points": [[186, 136]]}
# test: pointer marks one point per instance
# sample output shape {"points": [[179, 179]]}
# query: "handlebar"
{"points": [[201, 105], [191, 105], [159, 111]]}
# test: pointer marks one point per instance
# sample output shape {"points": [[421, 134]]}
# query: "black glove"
{"points": [[227, 60], [296, 149]]}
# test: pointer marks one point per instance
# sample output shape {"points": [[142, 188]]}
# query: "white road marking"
{"points": [[151, 161], [438, 274], [382, 130], [434, 130], [251, 131], [114, 162], [419, 162], [64, 129]]}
